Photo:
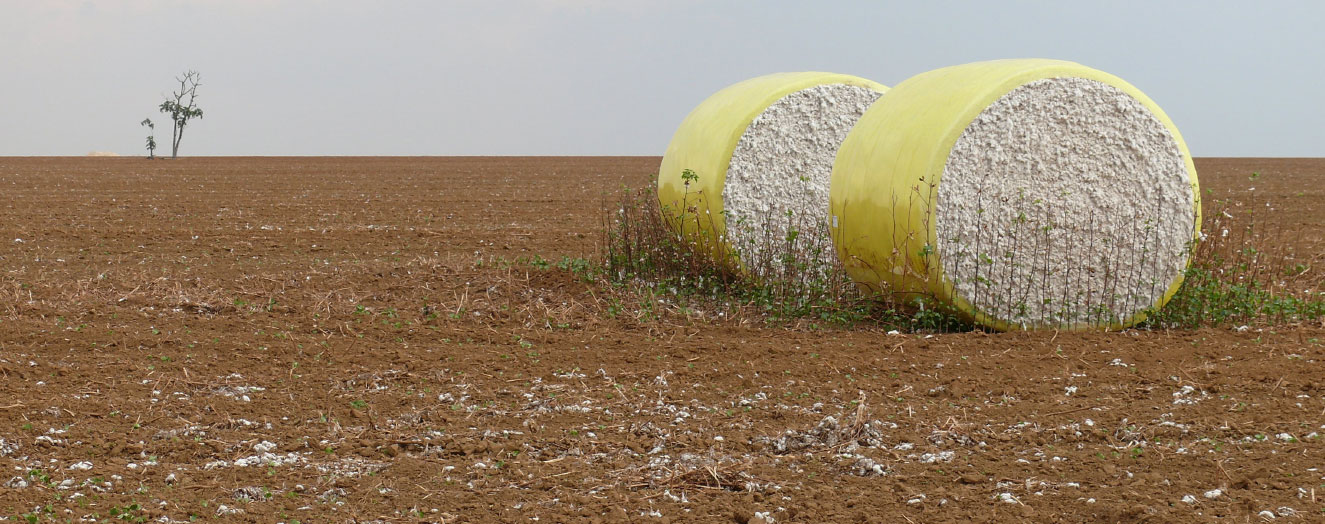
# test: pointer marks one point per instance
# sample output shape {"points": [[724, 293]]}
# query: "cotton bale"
{"points": [[1023, 193], [752, 162]]}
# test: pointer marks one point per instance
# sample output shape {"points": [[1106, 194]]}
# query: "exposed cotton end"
{"points": [[776, 191], [1066, 202]]}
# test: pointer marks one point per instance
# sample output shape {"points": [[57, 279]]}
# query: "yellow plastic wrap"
{"points": [[887, 172], [704, 143]]}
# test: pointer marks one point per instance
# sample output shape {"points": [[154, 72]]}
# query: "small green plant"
{"points": [[131, 513], [151, 138], [39, 476], [584, 269]]}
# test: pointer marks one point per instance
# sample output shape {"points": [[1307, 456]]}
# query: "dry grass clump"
{"points": [[1242, 272], [787, 279]]}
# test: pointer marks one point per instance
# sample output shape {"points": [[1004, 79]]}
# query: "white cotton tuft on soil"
{"points": [[778, 178], [1065, 202]]}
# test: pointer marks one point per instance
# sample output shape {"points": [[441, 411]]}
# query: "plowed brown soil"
{"points": [[373, 339]]}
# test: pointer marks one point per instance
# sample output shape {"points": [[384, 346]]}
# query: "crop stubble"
{"points": [[164, 323]]}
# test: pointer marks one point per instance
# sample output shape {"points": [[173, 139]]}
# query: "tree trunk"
{"points": [[179, 138], [175, 132]]}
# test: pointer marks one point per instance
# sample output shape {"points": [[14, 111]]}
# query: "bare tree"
{"points": [[151, 138], [182, 108]]}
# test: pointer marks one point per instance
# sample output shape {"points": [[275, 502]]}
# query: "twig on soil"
{"points": [[1220, 465], [1056, 413], [858, 425]]}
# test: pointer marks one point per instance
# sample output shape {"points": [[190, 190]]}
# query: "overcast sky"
{"points": [[602, 77]]}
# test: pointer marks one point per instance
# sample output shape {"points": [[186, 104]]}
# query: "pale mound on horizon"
{"points": [[102, 153]]}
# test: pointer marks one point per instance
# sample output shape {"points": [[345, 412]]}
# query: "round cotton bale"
{"points": [[1024, 193], [752, 163]]}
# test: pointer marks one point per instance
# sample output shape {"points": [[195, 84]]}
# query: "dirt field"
{"points": [[372, 339]]}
